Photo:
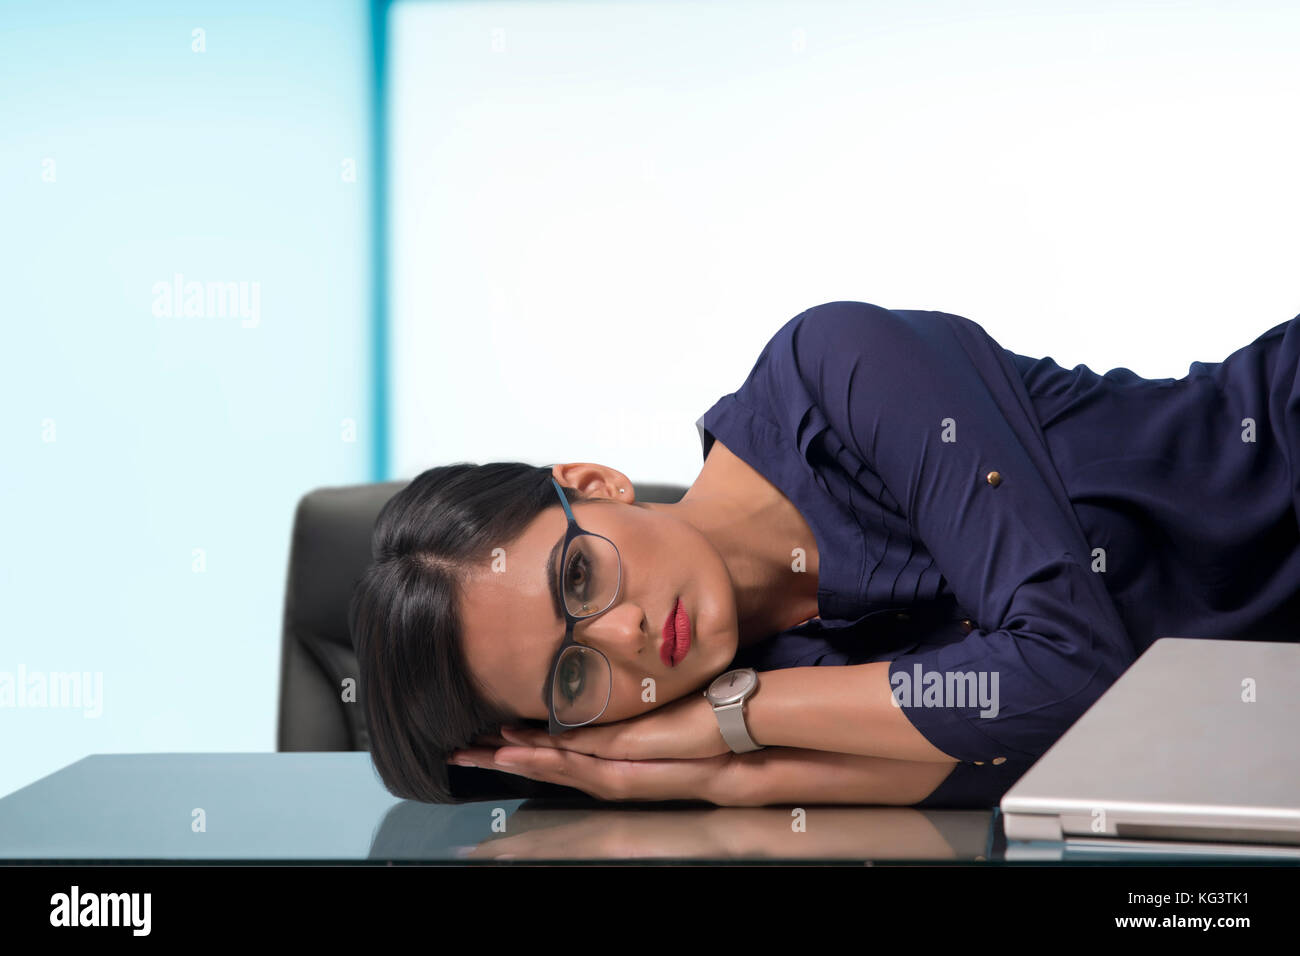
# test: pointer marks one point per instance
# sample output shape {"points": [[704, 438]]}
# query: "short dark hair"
{"points": [[421, 701]]}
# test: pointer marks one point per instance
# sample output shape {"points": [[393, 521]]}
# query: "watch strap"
{"points": [[731, 721]]}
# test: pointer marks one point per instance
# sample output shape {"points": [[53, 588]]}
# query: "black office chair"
{"points": [[329, 552]]}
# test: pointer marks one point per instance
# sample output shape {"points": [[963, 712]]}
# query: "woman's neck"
{"points": [[757, 530]]}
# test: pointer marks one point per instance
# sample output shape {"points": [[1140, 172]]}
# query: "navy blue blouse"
{"points": [[1004, 529]]}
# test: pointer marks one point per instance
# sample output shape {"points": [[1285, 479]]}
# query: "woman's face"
{"points": [[512, 629]]}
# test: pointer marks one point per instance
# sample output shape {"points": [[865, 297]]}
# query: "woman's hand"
{"points": [[610, 779], [775, 775], [675, 752], [685, 728]]}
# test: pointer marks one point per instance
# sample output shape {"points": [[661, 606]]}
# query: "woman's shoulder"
{"points": [[834, 338], [839, 324], [822, 343]]}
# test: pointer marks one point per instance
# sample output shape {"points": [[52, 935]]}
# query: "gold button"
{"points": [[967, 625], [998, 760], [994, 479], [902, 617], [979, 763]]}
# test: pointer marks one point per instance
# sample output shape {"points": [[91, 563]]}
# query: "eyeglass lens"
{"points": [[590, 580]]}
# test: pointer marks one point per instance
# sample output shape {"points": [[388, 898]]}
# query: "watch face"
{"points": [[732, 685]]}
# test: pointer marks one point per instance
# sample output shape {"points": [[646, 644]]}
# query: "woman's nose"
{"points": [[618, 632]]}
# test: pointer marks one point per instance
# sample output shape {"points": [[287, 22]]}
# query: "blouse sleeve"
{"points": [[917, 408]]}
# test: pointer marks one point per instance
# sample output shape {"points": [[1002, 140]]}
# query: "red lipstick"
{"points": [[677, 636]]}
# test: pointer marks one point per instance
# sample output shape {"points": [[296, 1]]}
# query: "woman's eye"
{"points": [[577, 575], [572, 676]]}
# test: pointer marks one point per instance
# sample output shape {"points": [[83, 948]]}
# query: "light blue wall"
{"points": [[133, 439]]}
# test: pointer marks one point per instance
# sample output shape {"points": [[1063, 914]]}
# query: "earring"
{"points": [[620, 491]]}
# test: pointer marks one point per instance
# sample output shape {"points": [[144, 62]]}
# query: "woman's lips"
{"points": [[683, 626], [677, 636]]}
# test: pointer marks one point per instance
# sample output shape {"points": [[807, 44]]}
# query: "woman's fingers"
{"points": [[486, 756], [523, 738], [609, 779], [602, 778], [581, 740], [546, 764], [553, 765], [584, 740]]}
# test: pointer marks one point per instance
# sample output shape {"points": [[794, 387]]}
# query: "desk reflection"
{"points": [[542, 830]]}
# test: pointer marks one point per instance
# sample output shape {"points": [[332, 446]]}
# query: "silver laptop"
{"points": [[1197, 745]]}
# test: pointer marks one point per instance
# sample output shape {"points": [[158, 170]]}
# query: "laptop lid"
{"points": [[1199, 740]]}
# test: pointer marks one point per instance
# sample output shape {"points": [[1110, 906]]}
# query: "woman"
{"points": [[985, 540]]}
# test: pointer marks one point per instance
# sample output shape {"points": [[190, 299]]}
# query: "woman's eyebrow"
{"points": [[551, 578]]}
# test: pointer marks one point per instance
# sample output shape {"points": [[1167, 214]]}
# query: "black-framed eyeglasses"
{"points": [[590, 576]]}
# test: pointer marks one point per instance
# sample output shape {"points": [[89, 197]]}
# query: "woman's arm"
{"points": [[846, 710], [789, 775], [937, 429]]}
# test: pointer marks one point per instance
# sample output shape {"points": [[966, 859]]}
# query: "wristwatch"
{"points": [[728, 694]]}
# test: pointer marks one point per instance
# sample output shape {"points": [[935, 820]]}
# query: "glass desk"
{"points": [[317, 807]]}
